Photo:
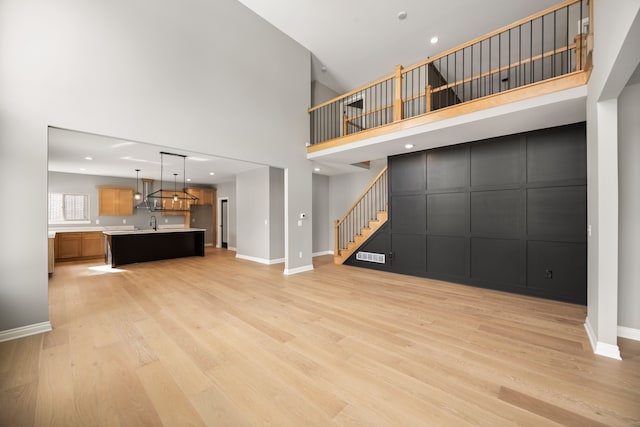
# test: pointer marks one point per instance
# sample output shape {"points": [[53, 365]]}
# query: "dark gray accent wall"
{"points": [[507, 213]]}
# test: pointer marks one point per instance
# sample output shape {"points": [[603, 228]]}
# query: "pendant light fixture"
{"points": [[175, 191], [137, 195], [162, 199]]}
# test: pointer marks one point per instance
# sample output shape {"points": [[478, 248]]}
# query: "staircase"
{"points": [[364, 218]]}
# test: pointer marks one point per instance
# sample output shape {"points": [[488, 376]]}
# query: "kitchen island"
{"points": [[130, 246]]}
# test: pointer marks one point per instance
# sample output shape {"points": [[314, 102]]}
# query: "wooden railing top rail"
{"points": [[354, 91], [493, 33], [521, 62], [457, 48], [364, 193]]}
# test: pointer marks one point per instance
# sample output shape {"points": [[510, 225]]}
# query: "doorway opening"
{"points": [[223, 223]]}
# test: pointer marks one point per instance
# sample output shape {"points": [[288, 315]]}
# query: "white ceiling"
{"points": [[359, 41], [120, 158]]}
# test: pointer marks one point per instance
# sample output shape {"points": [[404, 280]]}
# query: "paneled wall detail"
{"points": [[507, 213]]}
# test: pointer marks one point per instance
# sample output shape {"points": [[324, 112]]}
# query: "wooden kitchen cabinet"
{"points": [[69, 245], [77, 245], [92, 244], [115, 201], [206, 196]]}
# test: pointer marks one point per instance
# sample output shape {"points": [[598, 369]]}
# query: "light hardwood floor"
{"points": [[224, 342]]}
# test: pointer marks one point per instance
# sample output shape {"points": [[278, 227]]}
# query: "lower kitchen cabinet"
{"points": [[69, 245], [92, 244], [76, 245]]}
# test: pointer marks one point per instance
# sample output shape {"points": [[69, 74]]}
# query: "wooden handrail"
{"points": [[368, 113], [349, 122], [364, 193], [455, 49], [583, 46], [493, 33], [519, 63], [354, 91]]}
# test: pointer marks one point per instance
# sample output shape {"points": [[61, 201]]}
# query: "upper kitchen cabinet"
{"points": [[206, 196], [115, 201]]}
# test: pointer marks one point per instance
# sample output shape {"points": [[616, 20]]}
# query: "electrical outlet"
{"points": [[300, 254], [166, 220], [548, 274], [124, 220], [97, 221]]}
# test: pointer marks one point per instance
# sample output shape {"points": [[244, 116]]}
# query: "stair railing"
{"points": [[549, 44], [365, 209]]}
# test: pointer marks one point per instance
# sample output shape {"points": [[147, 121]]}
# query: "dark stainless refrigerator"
{"points": [[202, 217]]}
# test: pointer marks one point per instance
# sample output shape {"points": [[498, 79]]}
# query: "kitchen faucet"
{"points": [[153, 222]]}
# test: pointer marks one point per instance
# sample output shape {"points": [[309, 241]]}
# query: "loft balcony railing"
{"points": [[552, 43]]}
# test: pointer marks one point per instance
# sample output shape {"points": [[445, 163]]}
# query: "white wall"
{"points": [[228, 190], [629, 208], [321, 93], [207, 76], [276, 214], [252, 214], [615, 56], [320, 216], [344, 190]]}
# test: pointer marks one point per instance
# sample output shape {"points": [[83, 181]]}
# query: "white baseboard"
{"points": [[629, 333], [290, 271], [230, 248], [25, 331], [315, 254], [260, 260], [601, 348]]}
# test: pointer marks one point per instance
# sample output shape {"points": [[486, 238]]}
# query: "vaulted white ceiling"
{"points": [[358, 41], [353, 41]]}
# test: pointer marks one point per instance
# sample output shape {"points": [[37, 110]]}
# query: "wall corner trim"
{"points": [[629, 333], [25, 331], [290, 271], [601, 348]]}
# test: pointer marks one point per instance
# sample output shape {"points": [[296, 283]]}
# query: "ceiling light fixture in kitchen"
{"points": [[138, 194], [179, 201], [175, 191]]}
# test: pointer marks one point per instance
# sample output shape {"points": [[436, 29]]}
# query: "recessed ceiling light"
{"points": [[212, 173], [408, 146], [402, 15], [316, 169], [88, 158], [434, 40], [82, 169]]}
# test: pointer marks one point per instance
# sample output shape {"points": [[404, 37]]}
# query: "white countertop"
{"points": [[151, 231], [117, 229]]}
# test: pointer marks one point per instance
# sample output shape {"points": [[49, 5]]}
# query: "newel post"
{"points": [[397, 101], [336, 251], [427, 101]]}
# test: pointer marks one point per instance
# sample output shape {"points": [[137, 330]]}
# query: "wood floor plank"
{"points": [[216, 340], [216, 409], [545, 409], [55, 400], [18, 405], [182, 369], [24, 365], [172, 405]]}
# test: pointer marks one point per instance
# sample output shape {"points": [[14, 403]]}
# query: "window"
{"points": [[68, 208]]}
